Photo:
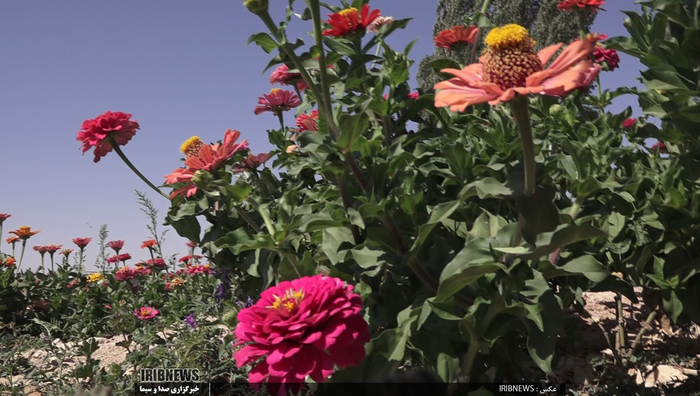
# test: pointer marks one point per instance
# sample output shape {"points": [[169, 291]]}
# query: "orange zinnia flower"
{"points": [[10, 262], [349, 21], [208, 158], [450, 38], [24, 232], [12, 239], [149, 244], [510, 66]]}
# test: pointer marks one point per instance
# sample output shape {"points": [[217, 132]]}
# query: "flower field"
{"points": [[502, 227]]}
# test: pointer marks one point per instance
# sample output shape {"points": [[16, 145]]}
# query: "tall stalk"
{"points": [[521, 110]]}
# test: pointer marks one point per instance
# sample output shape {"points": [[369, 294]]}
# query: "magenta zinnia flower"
{"points": [[97, 132], [277, 101], [629, 123], [302, 328], [51, 249], [308, 122], [124, 273], [282, 76], [198, 269], [145, 313]]}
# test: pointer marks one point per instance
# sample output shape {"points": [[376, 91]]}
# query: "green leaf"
{"points": [[264, 41], [540, 213], [352, 127], [333, 243], [564, 235], [439, 213], [587, 266], [485, 188], [545, 322], [470, 264]]}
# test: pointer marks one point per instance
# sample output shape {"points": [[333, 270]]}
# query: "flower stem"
{"points": [[484, 10], [21, 255], [80, 264], [264, 215], [521, 111], [281, 118], [245, 217], [315, 8], [51, 257], [131, 166], [1, 238]]}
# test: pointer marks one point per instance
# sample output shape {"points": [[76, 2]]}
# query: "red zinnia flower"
{"points": [[99, 131], [53, 248], [590, 5], [116, 245], [282, 76], [458, 35], [492, 81], [207, 159], [629, 123], [349, 21], [303, 328], [149, 244], [251, 163], [607, 56], [158, 262], [82, 242], [145, 313], [140, 270], [277, 101], [308, 122], [124, 273], [186, 259], [660, 146]]}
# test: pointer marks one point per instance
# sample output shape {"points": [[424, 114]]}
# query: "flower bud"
{"points": [[202, 179], [555, 110], [256, 6], [229, 318]]}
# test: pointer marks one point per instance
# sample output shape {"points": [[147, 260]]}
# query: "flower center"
{"points": [[348, 11], [510, 57], [290, 301], [191, 147], [275, 90]]}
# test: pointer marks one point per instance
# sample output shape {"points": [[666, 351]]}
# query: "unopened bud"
{"points": [[202, 179], [256, 6], [230, 318], [555, 110]]}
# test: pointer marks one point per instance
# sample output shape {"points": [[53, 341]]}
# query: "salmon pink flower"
{"points": [[82, 242], [629, 123], [277, 101], [12, 239], [350, 21], [251, 163], [145, 313], [208, 158], [282, 76], [378, 23], [3, 217], [40, 249], [149, 244], [510, 67], [456, 37], [10, 261], [301, 328], [98, 132], [52, 248], [307, 122], [588, 5]]}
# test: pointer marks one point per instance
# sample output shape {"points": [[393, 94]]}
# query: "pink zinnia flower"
{"points": [[140, 270], [607, 56], [629, 123], [282, 76], [145, 313], [116, 245], [457, 36], [302, 328], [124, 274], [40, 249], [208, 159], [82, 242], [198, 269], [158, 262], [186, 259], [108, 306], [251, 163], [572, 5], [99, 131], [277, 101], [493, 81], [52, 248], [307, 122], [191, 244], [3, 217], [659, 146], [349, 21]]}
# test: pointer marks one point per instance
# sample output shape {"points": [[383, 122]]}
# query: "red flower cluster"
{"points": [[302, 328], [458, 35], [108, 127], [590, 5], [349, 21], [158, 262]]}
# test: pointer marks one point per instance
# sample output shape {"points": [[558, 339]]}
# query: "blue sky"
{"points": [[182, 68]]}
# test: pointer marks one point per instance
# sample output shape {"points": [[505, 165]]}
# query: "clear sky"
{"points": [[182, 68]]}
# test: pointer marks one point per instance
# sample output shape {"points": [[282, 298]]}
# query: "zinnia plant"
{"points": [[145, 313], [303, 328], [349, 21], [23, 233], [458, 35]]}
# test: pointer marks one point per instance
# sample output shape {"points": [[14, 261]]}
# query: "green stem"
{"points": [[484, 10], [21, 255], [643, 330], [281, 118], [315, 8], [51, 257], [386, 125], [521, 111], [473, 350], [131, 166], [263, 214], [42, 262], [247, 218], [80, 264]]}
